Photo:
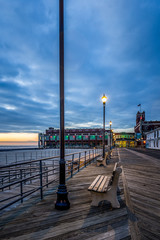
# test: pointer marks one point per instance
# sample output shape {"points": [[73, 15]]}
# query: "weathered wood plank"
{"points": [[66, 227]]}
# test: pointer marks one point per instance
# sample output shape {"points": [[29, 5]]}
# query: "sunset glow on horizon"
{"points": [[18, 138]]}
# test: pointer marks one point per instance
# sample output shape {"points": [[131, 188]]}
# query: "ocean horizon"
{"points": [[8, 147]]}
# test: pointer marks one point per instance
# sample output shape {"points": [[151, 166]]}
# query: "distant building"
{"points": [[124, 139], [153, 139], [84, 138], [143, 126]]}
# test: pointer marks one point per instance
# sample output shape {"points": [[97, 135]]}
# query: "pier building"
{"points": [[83, 138], [124, 139]]}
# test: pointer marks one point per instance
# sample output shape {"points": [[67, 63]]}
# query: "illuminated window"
{"points": [[99, 137], [66, 137], [72, 137], [78, 137], [92, 137], [106, 136], [85, 137]]}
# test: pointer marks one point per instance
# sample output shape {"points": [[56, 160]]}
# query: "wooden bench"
{"points": [[105, 188], [102, 161], [110, 153]]}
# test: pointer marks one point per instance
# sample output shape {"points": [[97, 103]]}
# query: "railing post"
{"points": [[21, 185], [53, 166], [72, 165], [24, 175], [6, 159], [79, 161], [9, 178], [41, 182], [30, 171], [46, 176], [85, 159]]}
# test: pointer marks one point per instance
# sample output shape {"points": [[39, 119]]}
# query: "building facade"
{"points": [[124, 139], [82, 138], [153, 139], [143, 126]]}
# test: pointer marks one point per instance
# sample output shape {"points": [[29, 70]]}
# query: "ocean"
{"points": [[12, 147], [19, 153]]}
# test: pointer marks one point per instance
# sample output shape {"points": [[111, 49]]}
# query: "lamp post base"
{"points": [[62, 202]]}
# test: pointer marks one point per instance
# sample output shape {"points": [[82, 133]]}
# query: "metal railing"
{"points": [[16, 156], [20, 180]]}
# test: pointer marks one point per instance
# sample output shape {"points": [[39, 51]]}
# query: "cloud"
{"points": [[8, 107], [111, 47]]}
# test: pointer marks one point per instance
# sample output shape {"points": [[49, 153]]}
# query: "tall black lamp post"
{"points": [[104, 99], [62, 202], [110, 123]]}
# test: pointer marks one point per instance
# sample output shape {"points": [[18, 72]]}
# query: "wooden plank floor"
{"points": [[37, 219], [143, 180]]}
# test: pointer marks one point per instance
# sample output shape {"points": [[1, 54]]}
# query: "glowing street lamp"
{"points": [[104, 99], [110, 123]]}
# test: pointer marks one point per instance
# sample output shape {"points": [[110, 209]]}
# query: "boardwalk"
{"points": [[81, 221], [143, 179], [137, 219]]}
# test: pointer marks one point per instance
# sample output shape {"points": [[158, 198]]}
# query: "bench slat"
{"points": [[100, 184], [115, 166], [94, 182], [95, 188], [103, 186]]}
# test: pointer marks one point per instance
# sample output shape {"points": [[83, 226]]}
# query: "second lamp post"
{"points": [[110, 123], [104, 99]]}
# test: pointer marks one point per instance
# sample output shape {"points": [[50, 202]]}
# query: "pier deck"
{"points": [[137, 219], [142, 177], [42, 221]]}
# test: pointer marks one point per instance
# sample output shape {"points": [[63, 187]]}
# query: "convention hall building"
{"points": [[79, 138]]}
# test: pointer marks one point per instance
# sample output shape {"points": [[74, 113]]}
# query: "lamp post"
{"points": [[110, 123], [104, 99], [62, 202]]}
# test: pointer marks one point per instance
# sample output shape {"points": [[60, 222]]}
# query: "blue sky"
{"points": [[111, 47]]}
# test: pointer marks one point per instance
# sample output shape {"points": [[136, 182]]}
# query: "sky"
{"points": [[111, 47]]}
